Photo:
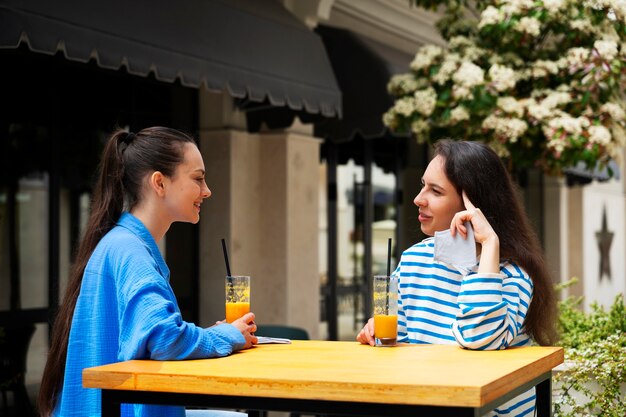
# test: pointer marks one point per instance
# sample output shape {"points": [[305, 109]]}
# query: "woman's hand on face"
{"points": [[247, 327], [483, 231], [366, 335]]}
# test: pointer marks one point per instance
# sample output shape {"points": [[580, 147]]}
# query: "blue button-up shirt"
{"points": [[127, 310]]}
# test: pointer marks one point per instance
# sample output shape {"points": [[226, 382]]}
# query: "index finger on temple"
{"points": [[467, 202]]}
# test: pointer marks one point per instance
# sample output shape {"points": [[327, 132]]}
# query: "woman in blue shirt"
{"points": [[506, 297], [119, 304]]}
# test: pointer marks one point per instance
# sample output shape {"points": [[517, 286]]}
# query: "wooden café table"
{"points": [[339, 378]]}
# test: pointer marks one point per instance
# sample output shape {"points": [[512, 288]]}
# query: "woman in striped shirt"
{"points": [[506, 298]]}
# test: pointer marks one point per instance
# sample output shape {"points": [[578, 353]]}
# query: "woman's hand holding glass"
{"points": [[366, 335], [247, 327]]}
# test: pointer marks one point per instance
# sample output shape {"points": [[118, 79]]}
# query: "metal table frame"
{"points": [[112, 400]]}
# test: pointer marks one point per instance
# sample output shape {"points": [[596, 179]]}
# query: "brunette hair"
{"points": [[475, 168], [126, 160]]}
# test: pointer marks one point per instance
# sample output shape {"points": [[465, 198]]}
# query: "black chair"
{"points": [[286, 332], [13, 351]]}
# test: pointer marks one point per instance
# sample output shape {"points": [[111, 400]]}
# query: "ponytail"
{"points": [[107, 205]]}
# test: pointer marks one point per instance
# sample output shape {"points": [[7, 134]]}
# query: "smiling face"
{"points": [[187, 188], [438, 201]]}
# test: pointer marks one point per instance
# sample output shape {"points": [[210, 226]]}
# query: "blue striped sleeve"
{"points": [[492, 309]]}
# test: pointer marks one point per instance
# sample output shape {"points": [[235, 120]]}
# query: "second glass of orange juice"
{"points": [[237, 297], [385, 310]]}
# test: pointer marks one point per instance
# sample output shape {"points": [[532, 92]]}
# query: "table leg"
{"points": [[544, 398], [110, 407]]}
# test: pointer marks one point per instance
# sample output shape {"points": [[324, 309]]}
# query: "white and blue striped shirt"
{"points": [[482, 311]]}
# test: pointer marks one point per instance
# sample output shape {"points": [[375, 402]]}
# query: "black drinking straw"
{"points": [[229, 278], [389, 257], [388, 275], [226, 257]]}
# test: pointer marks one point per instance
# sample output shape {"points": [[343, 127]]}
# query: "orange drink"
{"points": [[237, 297], [385, 326], [236, 310], [385, 304]]}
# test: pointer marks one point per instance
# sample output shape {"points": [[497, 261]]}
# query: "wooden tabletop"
{"points": [[341, 371]]}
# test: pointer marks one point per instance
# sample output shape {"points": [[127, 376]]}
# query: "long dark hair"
{"points": [[126, 160], [475, 168]]}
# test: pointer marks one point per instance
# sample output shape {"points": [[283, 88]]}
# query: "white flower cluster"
{"points": [[607, 49], [529, 25], [545, 104], [493, 15], [469, 75], [402, 84], [422, 102], [419, 127], [583, 24], [567, 124], [556, 131], [599, 134], [508, 88], [405, 106], [425, 101], [473, 53], [457, 42], [510, 7], [554, 6], [614, 110], [508, 129], [557, 98], [490, 16], [543, 68], [461, 93], [537, 112], [458, 114], [511, 106], [448, 67], [576, 58], [617, 7], [425, 57], [502, 78], [390, 119]]}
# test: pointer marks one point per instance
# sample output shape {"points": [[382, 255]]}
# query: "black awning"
{"points": [[254, 49], [363, 68]]}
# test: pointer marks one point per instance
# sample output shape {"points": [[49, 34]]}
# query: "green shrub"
{"points": [[594, 380]]}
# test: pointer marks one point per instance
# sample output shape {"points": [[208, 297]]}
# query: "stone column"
{"points": [[265, 204], [289, 229], [574, 238], [553, 233]]}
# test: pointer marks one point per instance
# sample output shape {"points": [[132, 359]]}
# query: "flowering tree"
{"points": [[541, 81]]}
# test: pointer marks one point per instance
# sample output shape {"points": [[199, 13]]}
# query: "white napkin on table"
{"points": [[263, 340]]}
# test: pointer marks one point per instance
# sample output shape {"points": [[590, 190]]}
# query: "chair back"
{"points": [[278, 330]]}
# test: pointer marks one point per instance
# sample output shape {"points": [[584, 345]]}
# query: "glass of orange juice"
{"points": [[237, 297], [385, 310]]}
